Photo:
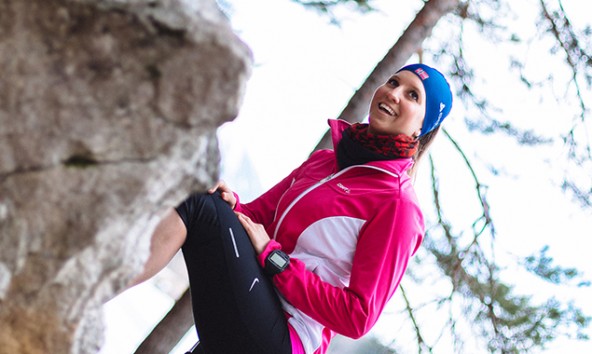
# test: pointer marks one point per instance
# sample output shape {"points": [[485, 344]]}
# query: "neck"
{"points": [[359, 146]]}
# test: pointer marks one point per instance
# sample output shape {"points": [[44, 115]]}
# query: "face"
{"points": [[398, 106]]}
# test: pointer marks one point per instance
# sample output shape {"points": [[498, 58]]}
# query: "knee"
{"points": [[199, 208]]}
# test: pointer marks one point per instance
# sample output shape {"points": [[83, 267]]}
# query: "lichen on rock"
{"points": [[108, 113]]}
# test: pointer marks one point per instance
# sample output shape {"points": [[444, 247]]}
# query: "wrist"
{"points": [[276, 262], [260, 248]]}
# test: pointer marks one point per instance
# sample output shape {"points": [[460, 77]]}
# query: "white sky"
{"points": [[305, 71]]}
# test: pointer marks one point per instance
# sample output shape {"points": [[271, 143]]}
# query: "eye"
{"points": [[393, 82], [414, 96]]}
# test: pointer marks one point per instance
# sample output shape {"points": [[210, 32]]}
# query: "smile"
{"points": [[383, 107]]}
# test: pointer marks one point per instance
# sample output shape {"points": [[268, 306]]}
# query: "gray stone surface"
{"points": [[108, 111]]}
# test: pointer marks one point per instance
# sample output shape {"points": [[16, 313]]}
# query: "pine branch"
{"points": [[463, 74], [542, 266], [510, 322], [480, 188], [420, 341], [408, 43], [576, 58]]}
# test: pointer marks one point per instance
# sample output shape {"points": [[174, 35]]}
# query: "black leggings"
{"points": [[235, 307]]}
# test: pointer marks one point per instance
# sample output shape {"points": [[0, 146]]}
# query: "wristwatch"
{"points": [[276, 262]]}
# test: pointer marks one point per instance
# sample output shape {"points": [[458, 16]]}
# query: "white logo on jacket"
{"points": [[344, 188]]}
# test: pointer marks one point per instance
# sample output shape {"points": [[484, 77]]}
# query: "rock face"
{"points": [[108, 111]]}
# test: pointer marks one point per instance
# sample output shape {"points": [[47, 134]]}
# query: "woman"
{"points": [[322, 251]]}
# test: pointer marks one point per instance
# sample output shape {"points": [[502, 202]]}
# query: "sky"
{"points": [[306, 70]]}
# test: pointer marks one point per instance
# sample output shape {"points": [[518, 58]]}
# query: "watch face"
{"points": [[278, 260]]}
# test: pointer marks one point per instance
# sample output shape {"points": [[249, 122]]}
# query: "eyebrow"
{"points": [[413, 86]]}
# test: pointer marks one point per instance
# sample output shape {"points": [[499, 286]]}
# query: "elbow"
{"points": [[357, 335], [356, 332], [359, 326], [358, 317]]}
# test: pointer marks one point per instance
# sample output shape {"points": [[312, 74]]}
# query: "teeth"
{"points": [[386, 108]]}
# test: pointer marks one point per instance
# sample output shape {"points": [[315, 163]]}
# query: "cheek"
{"points": [[416, 118], [376, 94], [419, 114], [414, 111]]}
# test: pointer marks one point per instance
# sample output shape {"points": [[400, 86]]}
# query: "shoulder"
{"points": [[320, 157], [321, 154]]}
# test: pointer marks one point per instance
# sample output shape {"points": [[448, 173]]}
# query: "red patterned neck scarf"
{"points": [[387, 145], [358, 146]]}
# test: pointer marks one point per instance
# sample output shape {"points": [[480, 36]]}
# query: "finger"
{"points": [[246, 220], [243, 224], [227, 197], [242, 216], [247, 224], [213, 188], [218, 185]]}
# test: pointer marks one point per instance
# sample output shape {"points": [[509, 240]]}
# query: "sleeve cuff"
{"points": [[272, 245], [237, 206]]}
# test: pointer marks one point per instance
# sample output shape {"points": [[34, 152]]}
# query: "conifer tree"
{"points": [[463, 260]]}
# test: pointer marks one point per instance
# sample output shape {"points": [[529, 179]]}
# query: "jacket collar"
{"points": [[397, 166]]}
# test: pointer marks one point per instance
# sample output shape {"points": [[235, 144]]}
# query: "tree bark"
{"points": [[169, 331], [410, 42]]}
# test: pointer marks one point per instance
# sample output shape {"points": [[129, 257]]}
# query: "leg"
{"points": [[167, 239], [235, 306]]}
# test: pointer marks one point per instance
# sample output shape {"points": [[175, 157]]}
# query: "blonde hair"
{"points": [[424, 144]]}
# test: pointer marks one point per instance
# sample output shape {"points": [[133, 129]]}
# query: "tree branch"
{"points": [[420, 341], [169, 331], [410, 42]]}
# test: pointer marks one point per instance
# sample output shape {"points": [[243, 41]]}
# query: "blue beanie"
{"points": [[438, 95]]}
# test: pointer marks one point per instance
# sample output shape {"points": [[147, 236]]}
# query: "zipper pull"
{"points": [[327, 178]]}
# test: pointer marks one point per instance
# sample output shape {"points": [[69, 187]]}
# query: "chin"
{"points": [[381, 130]]}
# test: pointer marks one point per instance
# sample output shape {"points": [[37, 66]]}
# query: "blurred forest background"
{"points": [[507, 188]]}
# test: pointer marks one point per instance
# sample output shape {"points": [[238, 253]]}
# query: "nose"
{"points": [[395, 94]]}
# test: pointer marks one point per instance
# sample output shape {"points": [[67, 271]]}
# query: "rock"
{"points": [[108, 113]]}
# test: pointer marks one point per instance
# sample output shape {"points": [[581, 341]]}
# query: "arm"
{"points": [[384, 247]]}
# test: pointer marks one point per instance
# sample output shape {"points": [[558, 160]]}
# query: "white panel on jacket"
{"points": [[327, 248]]}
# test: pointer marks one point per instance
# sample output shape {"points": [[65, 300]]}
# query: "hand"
{"points": [[225, 193], [257, 234]]}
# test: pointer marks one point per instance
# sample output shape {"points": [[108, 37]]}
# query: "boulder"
{"points": [[108, 115]]}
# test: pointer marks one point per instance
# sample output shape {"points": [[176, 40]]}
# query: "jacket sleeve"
{"points": [[385, 245]]}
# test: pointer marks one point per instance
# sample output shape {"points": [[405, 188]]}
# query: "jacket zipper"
{"points": [[318, 184]]}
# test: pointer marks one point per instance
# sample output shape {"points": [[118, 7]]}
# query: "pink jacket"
{"points": [[349, 234]]}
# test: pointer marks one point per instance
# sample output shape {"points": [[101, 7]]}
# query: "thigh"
{"points": [[235, 306]]}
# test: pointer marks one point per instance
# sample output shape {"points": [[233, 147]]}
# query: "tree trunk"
{"points": [[170, 329], [409, 43]]}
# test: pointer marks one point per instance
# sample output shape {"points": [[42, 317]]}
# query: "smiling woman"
{"points": [[398, 106], [322, 251], [412, 102]]}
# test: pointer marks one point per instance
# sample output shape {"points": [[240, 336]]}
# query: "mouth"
{"points": [[387, 109]]}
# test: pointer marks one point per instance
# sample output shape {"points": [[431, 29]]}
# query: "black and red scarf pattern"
{"points": [[358, 146]]}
